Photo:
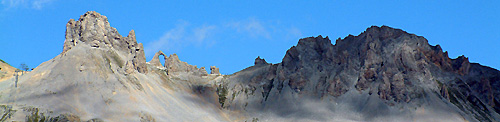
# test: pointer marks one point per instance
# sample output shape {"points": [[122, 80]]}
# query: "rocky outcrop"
{"points": [[311, 56], [202, 71], [214, 70], [93, 29], [461, 65], [396, 66], [100, 73], [173, 64], [381, 73], [140, 59], [260, 61], [156, 59]]}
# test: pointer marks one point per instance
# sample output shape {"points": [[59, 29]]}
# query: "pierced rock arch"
{"points": [[156, 59]]}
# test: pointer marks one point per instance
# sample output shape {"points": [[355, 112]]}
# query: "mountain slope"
{"points": [[7, 71], [101, 75], [383, 74]]}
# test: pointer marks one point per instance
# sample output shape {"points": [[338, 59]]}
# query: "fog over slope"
{"points": [[382, 74]]}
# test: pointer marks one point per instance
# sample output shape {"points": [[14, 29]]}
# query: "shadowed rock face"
{"points": [[260, 61], [391, 64]]}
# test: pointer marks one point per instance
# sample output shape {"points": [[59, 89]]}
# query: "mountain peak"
{"points": [[382, 74], [94, 30], [312, 41], [384, 32], [383, 29], [397, 67], [260, 61], [92, 15], [370, 52]]}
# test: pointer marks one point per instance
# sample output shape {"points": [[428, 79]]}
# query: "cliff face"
{"points": [[399, 68]]}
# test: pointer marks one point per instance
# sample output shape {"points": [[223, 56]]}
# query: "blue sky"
{"points": [[230, 34]]}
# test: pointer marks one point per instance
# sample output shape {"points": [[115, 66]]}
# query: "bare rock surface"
{"points": [[260, 61], [93, 29], [382, 74], [214, 70], [102, 76], [156, 59], [174, 65], [383, 69]]}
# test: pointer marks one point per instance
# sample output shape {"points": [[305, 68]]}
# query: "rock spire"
{"points": [[94, 30]]}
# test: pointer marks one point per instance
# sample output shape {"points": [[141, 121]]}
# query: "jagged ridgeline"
{"points": [[103, 76], [382, 74]]}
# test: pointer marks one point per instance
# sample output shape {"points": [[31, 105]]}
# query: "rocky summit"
{"points": [[94, 30], [382, 74]]}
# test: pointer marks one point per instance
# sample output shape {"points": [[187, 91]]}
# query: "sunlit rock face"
{"points": [[214, 70], [94, 30], [102, 76]]}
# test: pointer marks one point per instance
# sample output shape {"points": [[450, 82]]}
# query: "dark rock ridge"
{"points": [[390, 63], [260, 61], [93, 29]]}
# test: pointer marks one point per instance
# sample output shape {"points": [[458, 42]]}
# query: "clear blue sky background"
{"points": [[230, 35]]}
